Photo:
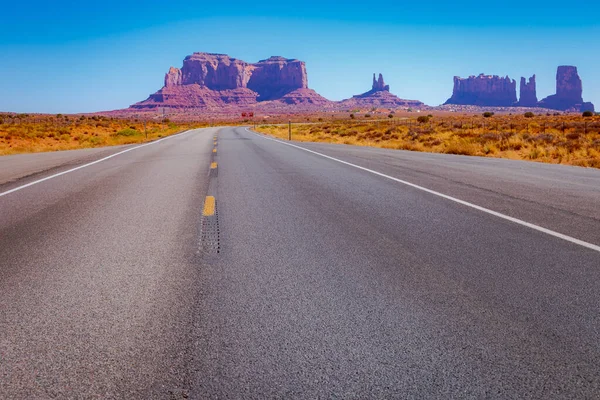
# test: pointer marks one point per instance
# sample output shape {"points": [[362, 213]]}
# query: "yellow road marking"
{"points": [[213, 165], [214, 150], [209, 206]]}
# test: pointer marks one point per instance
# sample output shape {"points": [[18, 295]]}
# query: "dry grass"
{"points": [[571, 140], [22, 133]]}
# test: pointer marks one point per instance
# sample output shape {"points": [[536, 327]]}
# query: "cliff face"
{"points": [[173, 77], [277, 76], [528, 95], [569, 91], [484, 90], [221, 80]]}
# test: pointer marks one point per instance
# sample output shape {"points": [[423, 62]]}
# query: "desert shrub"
{"points": [[488, 114], [352, 116], [367, 115], [529, 114], [461, 148], [390, 115], [96, 140], [543, 137], [588, 114], [423, 119], [534, 153], [127, 132], [490, 136]]}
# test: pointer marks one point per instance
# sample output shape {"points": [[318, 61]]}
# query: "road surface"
{"points": [[339, 272]]}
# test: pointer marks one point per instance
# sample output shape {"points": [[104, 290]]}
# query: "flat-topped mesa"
{"points": [[217, 78], [484, 90], [379, 84], [569, 92], [528, 95], [214, 71]]}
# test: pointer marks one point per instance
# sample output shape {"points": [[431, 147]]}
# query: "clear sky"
{"points": [[74, 56]]}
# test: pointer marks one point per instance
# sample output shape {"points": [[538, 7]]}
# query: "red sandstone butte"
{"points": [[212, 81], [569, 90], [484, 90], [527, 93]]}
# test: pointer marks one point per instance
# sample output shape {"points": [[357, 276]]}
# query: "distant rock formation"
{"points": [[484, 90], [276, 76], [379, 84], [209, 80], [379, 96], [528, 95], [569, 92]]}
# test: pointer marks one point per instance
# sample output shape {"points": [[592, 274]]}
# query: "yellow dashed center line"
{"points": [[214, 150], [209, 206], [213, 165]]}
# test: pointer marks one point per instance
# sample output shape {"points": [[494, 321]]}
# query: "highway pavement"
{"points": [[247, 267]]}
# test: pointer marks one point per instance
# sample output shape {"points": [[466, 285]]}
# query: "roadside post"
{"points": [[290, 130]]}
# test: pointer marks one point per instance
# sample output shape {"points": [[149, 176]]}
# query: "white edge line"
{"points": [[445, 196], [91, 163]]}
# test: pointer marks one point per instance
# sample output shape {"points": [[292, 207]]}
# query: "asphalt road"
{"points": [[311, 278]]}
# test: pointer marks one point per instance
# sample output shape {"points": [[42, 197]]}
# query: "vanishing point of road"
{"points": [[220, 263]]}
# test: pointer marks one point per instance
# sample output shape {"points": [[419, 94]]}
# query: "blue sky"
{"points": [[68, 56]]}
